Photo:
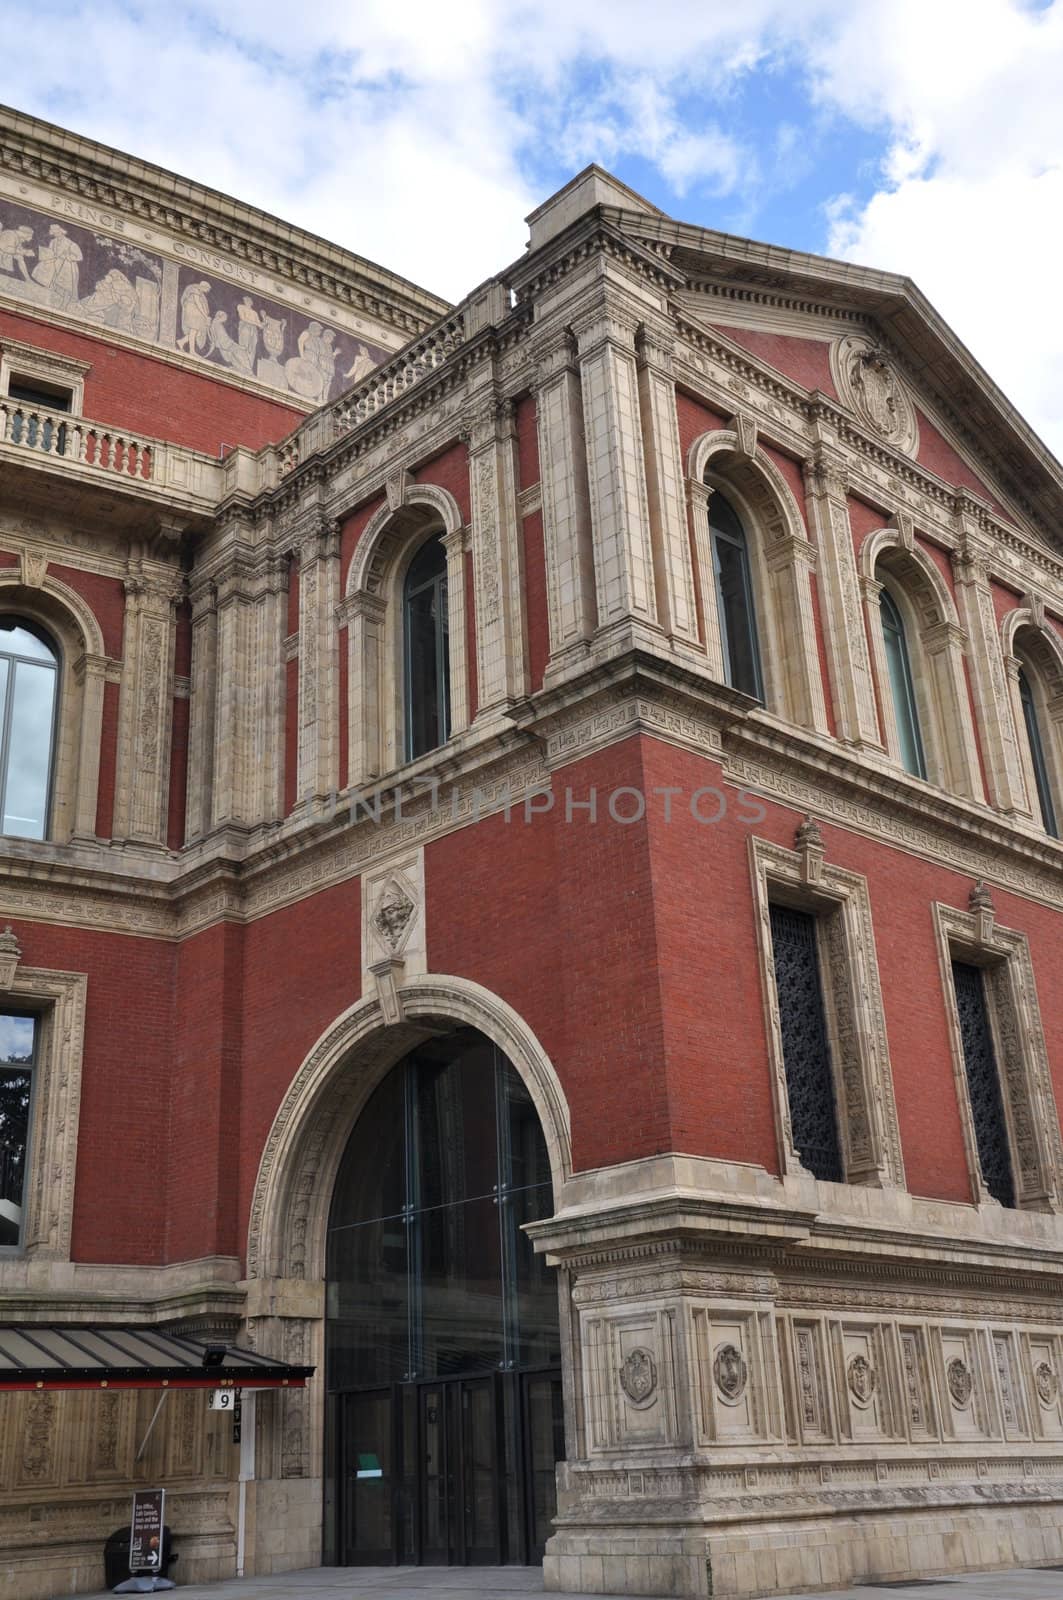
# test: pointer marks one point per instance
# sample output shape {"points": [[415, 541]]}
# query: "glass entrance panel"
{"points": [[479, 1473], [544, 1433], [434, 1290], [367, 1478]]}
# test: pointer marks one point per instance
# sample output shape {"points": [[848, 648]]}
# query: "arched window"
{"points": [[900, 673], [734, 598], [426, 650], [1037, 755], [443, 1346], [29, 671]]}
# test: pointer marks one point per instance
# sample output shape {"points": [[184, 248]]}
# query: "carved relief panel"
{"points": [[864, 1381], [629, 1378], [1009, 1386], [916, 1390], [961, 1382], [1042, 1369], [736, 1376], [809, 1406]]}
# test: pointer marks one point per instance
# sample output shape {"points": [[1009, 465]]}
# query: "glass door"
{"points": [[367, 1496]]}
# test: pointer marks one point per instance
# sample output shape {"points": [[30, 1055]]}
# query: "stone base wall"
{"points": [[55, 1547], [802, 1555]]}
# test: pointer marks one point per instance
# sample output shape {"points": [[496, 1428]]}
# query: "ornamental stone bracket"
{"points": [[393, 931]]}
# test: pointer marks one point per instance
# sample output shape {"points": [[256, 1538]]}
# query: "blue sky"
{"points": [[924, 136]]}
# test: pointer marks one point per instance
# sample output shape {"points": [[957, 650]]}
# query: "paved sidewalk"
{"points": [[509, 1583]]}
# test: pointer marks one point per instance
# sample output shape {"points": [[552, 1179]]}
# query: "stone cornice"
{"points": [[242, 874]]}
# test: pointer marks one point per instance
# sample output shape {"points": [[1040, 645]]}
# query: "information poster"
{"points": [[145, 1540]]}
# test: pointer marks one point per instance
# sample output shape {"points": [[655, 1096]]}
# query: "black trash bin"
{"points": [[116, 1558]]}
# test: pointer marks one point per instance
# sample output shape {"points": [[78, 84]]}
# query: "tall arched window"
{"points": [[734, 598], [426, 650], [29, 672], [1037, 755], [903, 690]]}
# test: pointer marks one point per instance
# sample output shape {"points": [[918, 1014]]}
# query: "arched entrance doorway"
{"points": [[444, 1418]]}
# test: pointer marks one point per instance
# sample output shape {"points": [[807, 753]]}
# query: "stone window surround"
{"points": [[840, 901], [937, 644], [57, 999], [1029, 643], [782, 560], [28, 590], [1030, 1109], [26, 362], [372, 611]]}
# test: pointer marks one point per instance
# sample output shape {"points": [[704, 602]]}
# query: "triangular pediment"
{"points": [[871, 342]]}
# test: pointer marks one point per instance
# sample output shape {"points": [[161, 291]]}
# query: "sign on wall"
{"points": [[145, 1539]]}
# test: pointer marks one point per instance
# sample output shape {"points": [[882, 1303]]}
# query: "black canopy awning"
{"points": [[50, 1357]]}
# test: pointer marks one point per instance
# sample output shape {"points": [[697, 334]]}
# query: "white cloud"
{"points": [[971, 204], [421, 135]]}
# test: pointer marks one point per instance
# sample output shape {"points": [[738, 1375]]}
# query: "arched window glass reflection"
{"points": [[29, 672], [1037, 755], [734, 598], [900, 670], [426, 650]]}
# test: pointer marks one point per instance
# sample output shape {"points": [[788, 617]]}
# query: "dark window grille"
{"points": [[983, 1082], [805, 1045]]}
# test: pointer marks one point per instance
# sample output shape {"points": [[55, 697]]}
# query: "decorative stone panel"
{"points": [[736, 1376], [629, 1376]]}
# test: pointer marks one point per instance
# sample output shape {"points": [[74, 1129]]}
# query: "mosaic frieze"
{"points": [[116, 284]]}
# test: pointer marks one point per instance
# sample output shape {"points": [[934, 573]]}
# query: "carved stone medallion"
{"points": [[862, 1380], [1046, 1383], [391, 917], [638, 1376], [730, 1373], [867, 383], [961, 1384]]}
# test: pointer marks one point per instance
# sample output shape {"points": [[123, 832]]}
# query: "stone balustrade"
{"points": [[93, 450], [375, 392]]}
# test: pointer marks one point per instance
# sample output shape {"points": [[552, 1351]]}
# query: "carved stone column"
{"points": [[267, 723], [673, 571], [319, 555], [364, 617], [848, 658], [616, 478], [91, 674], [992, 697], [232, 799], [944, 647], [791, 561], [698, 495], [496, 555], [455, 544], [203, 597], [566, 512], [142, 789]]}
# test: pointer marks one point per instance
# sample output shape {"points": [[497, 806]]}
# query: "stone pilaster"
{"points": [[143, 767], [496, 555], [790, 563], [234, 710], [566, 511], [992, 698], [319, 568], [848, 658], [673, 570], [203, 597], [455, 545], [616, 477], [364, 615], [267, 729], [91, 674]]}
